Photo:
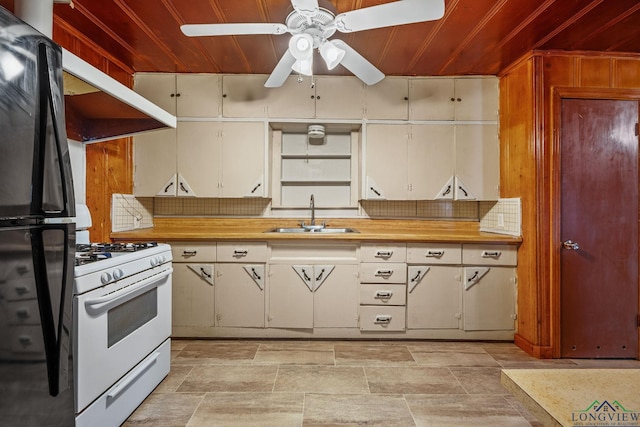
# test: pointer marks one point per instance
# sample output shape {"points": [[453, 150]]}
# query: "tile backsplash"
{"points": [[503, 216], [129, 212]]}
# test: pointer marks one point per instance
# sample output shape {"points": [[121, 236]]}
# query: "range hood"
{"points": [[99, 108]]}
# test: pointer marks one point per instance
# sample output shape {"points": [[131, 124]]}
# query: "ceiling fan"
{"points": [[311, 25]]}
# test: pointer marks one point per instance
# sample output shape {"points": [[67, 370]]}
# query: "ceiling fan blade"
{"points": [[389, 14], [282, 70], [305, 7], [358, 64], [198, 30]]}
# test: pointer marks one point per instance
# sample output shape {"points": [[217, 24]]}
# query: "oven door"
{"points": [[117, 326]]}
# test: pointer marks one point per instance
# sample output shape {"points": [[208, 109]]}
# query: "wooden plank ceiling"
{"points": [[474, 36]]}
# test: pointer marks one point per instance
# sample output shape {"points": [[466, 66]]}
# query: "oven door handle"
{"points": [[101, 304]]}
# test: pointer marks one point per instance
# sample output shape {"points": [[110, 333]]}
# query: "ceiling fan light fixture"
{"points": [[301, 46], [331, 54], [304, 66]]}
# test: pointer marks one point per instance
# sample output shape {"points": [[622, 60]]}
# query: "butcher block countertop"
{"points": [[378, 230]]}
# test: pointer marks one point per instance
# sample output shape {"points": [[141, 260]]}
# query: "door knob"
{"points": [[572, 246]]}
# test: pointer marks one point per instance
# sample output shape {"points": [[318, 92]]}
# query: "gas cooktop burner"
{"points": [[88, 253], [114, 247], [89, 257]]}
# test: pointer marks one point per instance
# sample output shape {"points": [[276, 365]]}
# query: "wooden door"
{"points": [[599, 228]]}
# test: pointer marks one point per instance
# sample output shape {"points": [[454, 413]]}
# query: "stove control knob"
{"points": [[154, 262], [105, 278], [118, 274], [163, 259]]}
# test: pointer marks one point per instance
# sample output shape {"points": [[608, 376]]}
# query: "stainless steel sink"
{"points": [[325, 230]]}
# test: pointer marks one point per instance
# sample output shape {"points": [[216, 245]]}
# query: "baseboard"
{"points": [[538, 351]]}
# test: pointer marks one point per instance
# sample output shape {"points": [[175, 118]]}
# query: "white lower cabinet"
{"points": [[433, 297], [240, 284], [433, 286], [193, 289], [489, 298], [489, 291], [239, 295], [305, 296], [193, 297]]}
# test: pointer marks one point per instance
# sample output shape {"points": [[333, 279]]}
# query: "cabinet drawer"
{"points": [[383, 295], [199, 252], [371, 252], [382, 318], [428, 253], [242, 252], [490, 255], [383, 273]]}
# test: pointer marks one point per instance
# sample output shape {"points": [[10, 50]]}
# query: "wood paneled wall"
{"points": [[528, 153], [109, 164]]}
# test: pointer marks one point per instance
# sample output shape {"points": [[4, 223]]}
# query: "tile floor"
{"points": [[243, 383]]}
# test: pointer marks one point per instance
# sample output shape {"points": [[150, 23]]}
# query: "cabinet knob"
{"points": [[406, 98], [224, 95], [318, 97]]}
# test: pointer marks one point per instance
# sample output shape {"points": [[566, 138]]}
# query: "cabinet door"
{"points": [[239, 295], [335, 303], [244, 96], [433, 299], [243, 157], [199, 151], [431, 99], [293, 100], [431, 160], [478, 99], [489, 298], [339, 97], [198, 95], [386, 162], [154, 158], [477, 162], [290, 299], [159, 88], [388, 100], [193, 295]]}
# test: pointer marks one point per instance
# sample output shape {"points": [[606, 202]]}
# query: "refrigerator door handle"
{"points": [[52, 319]]}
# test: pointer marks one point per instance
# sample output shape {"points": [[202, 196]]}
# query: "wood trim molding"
{"points": [[558, 94], [541, 352]]}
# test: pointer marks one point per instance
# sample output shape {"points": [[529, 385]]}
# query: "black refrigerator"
{"points": [[37, 232]]}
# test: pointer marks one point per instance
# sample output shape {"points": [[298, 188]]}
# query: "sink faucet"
{"points": [[313, 211], [312, 225]]}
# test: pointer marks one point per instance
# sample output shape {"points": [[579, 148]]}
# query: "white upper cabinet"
{"points": [[154, 157], [201, 159], [327, 98], [408, 162], [339, 97], [477, 164], [243, 160], [184, 95], [388, 99], [244, 96], [472, 98]]}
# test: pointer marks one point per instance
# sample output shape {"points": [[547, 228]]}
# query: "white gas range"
{"points": [[122, 324]]}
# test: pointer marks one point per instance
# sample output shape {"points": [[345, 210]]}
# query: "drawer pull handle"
{"points": [[383, 294], [189, 253], [255, 274], [319, 278], [384, 273], [435, 254], [384, 254], [383, 320], [240, 253], [23, 313], [491, 254]]}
